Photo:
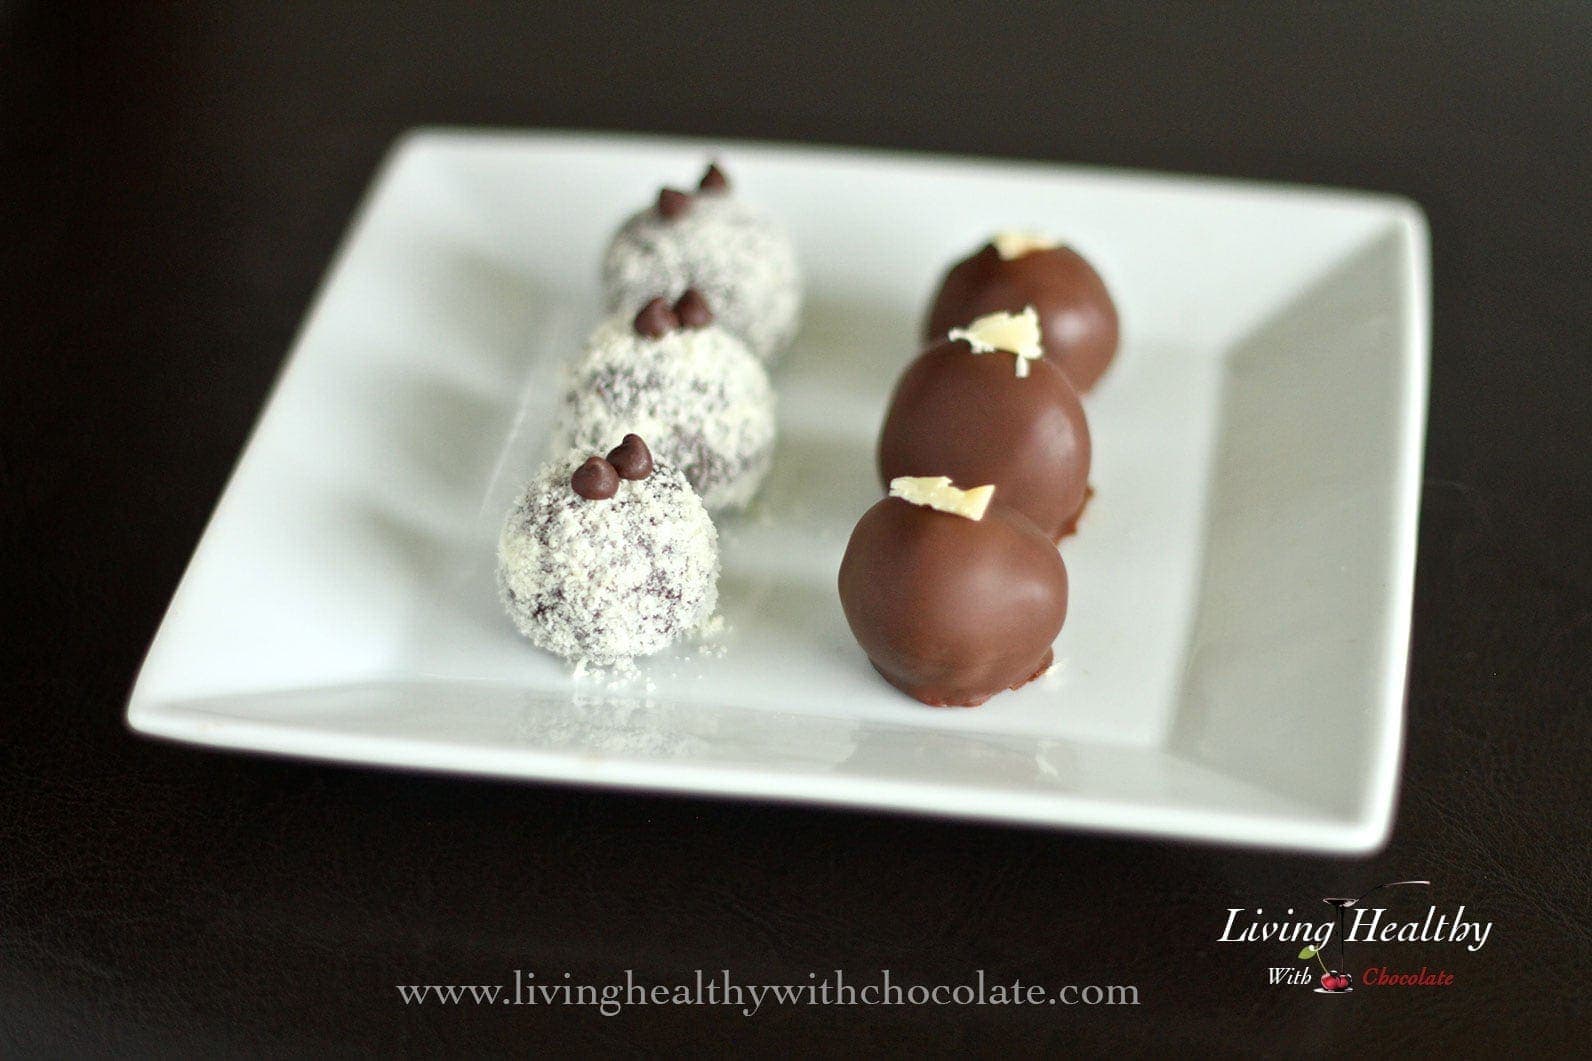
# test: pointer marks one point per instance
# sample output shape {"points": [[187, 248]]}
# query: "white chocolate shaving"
{"points": [[1015, 333], [1011, 243], [936, 492]]}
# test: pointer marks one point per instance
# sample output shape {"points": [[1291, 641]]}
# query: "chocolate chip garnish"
{"points": [[631, 458], [595, 480], [656, 318], [692, 309], [714, 180], [671, 203]]}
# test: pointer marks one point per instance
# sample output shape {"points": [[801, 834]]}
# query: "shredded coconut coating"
{"points": [[741, 260], [697, 396], [599, 582]]}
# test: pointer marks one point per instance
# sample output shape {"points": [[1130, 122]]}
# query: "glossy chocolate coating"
{"points": [[1077, 319], [950, 610], [970, 416]]}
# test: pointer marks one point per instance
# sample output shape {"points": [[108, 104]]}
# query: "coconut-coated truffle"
{"points": [[621, 573], [737, 256], [697, 395]]}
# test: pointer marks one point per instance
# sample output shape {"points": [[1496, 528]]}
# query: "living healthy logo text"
{"points": [[1358, 922]]}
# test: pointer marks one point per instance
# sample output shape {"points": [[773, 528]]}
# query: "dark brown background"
{"points": [[173, 183]]}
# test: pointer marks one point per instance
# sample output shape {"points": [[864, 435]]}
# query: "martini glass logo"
{"points": [[1334, 982]]}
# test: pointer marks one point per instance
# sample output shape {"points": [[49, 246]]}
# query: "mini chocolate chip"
{"points": [[595, 480], [656, 319], [714, 180], [692, 309], [631, 458], [671, 203]]}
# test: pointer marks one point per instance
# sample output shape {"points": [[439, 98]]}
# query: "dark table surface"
{"points": [[173, 183]]}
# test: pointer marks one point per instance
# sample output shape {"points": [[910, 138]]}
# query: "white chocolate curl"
{"points": [[1011, 243], [936, 492], [1015, 333]]}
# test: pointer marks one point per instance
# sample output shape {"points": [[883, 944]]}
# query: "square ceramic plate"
{"points": [[1232, 668]]}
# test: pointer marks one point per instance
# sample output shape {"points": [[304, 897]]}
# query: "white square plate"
{"points": [[1232, 668]]}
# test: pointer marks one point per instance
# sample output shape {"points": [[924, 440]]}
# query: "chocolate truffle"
{"points": [[951, 609], [697, 395], [1013, 270], [736, 256], [599, 580], [974, 416]]}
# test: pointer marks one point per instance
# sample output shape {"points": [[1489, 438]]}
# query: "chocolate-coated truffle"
{"points": [[1076, 314], [952, 610], [970, 416]]}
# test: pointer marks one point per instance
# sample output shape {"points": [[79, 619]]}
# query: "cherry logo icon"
{"points": [[1334, 982]]}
